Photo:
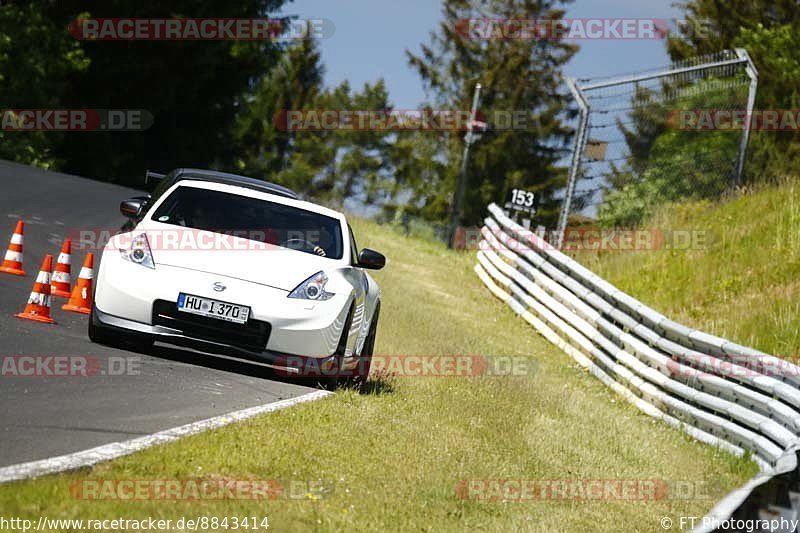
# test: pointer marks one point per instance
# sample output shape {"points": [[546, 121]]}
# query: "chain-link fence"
{"points": [[648, 138]]}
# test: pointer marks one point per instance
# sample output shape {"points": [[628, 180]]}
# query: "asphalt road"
{"points": [[46, 415]]}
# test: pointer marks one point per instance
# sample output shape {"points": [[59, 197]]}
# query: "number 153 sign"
{"points": [[521, 200]]}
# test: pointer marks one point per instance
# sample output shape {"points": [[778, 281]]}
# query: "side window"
{"points": [[353, 247]]}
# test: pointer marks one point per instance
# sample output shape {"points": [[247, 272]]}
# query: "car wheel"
{"points": [[365, 360], [332, 382]]}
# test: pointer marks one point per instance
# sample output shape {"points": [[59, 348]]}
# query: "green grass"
{"points": [[393, 457], [742, 284]]}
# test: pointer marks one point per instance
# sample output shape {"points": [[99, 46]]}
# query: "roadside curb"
{"points": [[113, 450]]}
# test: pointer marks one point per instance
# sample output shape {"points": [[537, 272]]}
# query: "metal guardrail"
{"points": [[689, 379]]}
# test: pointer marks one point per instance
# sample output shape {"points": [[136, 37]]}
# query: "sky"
{"points": [[370, 38]]}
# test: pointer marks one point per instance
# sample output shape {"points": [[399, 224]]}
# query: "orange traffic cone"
{"points": [[81, 300], [62, 275], [12, 264], [38, 308]]}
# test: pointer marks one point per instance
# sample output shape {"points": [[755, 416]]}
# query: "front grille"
{"points": [[252, 335]]}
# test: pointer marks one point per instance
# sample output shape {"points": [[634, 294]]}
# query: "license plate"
{"points": [[213, 308]]}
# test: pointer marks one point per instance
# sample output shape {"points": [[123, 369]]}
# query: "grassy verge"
{"points": [[392, 458], [741, 278]]}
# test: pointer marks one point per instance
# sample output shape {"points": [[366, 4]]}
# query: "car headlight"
{"points": [[313, 288], [139, 252]]}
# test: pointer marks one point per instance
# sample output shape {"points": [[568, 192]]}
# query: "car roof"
{"points": [[226, 178]]}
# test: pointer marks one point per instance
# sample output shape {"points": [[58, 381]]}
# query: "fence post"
{"points": [[462, 176], [752, 72], [577, 153]]}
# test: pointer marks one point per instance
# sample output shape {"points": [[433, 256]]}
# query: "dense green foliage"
{"points": [[516, 74], [768, 30], [191, 88], [35, 61], [668, 165], [330, 165]]}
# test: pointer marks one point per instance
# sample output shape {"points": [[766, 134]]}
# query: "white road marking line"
{"points": [[113, 450]]}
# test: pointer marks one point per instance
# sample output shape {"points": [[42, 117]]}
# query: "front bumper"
{"points": [[126, 294], [290, 365]]}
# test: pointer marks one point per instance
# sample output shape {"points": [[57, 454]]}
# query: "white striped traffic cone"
{"points": [[38, 308], [12, 264], [62, 275], [81, 300]]}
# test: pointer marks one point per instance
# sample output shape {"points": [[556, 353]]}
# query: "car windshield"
{"points": [[254, 219]]}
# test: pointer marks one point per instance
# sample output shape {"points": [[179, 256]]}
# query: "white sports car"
{"points": [[235, 265]]}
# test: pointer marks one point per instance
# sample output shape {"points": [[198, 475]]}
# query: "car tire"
{"points": [[333, 381], [365, 360]]}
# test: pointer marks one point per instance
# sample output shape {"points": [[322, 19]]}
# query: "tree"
{"points": [[768, 29], [419, 175], [648, 120], [517, 75], [295, 82], [667, 164], [776, 51], [331, 165], [714, 25], [361, 168], [192, 88], [36, 58]]}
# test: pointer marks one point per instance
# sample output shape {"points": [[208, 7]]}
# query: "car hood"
{"points": [[235, 257]]}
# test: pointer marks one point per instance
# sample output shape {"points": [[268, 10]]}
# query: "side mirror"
{"points": [[131, 207], [371, 259]]}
